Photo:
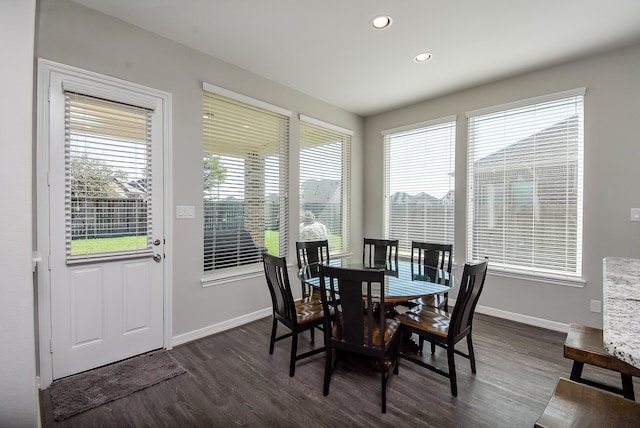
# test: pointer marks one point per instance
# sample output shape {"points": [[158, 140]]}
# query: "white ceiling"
{"points": [[326, 48]]}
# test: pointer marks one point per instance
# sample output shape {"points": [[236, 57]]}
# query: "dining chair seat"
{"points": [[390, 328], [309, 311], [313, 298], [427, 318]]}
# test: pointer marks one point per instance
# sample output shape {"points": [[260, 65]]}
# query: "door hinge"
{"points": [[51, 346], [49, 262]]}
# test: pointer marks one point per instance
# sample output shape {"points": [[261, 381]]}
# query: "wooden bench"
{"points": [[575, 405], [584, 345]]}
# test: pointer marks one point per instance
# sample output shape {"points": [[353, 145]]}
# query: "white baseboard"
{"points": [[254, 316], [222, 326], [524, 319]]}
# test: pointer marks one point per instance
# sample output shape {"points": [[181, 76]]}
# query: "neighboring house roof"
{"points": [[135, 189], [521, 155], [320, 191]]}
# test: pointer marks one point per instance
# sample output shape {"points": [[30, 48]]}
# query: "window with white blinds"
{"points": [[325, 189], [419, 164], [245, 179], [108, 186], [525, 164]]}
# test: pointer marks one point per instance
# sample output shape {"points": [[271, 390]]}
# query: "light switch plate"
{"points": [[185, 211], [635, 214]]}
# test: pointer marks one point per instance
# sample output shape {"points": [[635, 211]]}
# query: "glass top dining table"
{"points": [[403, 281]]}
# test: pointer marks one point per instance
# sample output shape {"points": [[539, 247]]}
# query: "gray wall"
{"points": [[611, 176], [74, 35], [18, 390]]}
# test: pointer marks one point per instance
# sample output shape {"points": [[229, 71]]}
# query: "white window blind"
{"points": [[525, 186], [419, 163], [325, 189], [245, 182], [108, 175]]}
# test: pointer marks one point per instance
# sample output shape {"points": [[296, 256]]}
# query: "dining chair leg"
{"points": [[576, 371], [452, 370], [627, 387], [272, 341], [472, 356], [327, 371], [383, 377], [294, 350]]}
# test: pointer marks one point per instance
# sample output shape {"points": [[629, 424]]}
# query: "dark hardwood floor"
{"points": [[233, 381]]}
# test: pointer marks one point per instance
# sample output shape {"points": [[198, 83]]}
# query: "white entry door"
{"points": [[106, 237]]}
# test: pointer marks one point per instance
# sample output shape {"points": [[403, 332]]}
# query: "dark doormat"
{"points": [[79, 393]]}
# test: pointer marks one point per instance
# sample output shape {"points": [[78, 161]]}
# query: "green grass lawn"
{"points": [[81, 247]]}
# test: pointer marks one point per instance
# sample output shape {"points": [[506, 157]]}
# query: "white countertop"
{"points": [[621, 308]]}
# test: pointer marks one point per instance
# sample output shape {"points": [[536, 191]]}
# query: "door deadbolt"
{"points": [[157, 257], [156, 242]]}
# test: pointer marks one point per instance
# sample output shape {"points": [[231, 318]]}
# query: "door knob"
{"points": [[157, 257]]}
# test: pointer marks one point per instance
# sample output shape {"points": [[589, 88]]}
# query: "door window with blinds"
{"points": [[525, 163], [108, 164], [325, 165], [245, 180], [419, 163]]}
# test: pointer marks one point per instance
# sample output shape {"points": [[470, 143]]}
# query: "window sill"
{"points": [[226, 276], [547, 279]]}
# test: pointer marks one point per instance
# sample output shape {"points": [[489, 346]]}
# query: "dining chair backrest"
{"points": [[275, 270], [471, 286], [355, 296], [376, 252], [432, 254], [311, 254]]}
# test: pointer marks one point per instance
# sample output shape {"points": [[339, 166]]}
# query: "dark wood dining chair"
{"points": [[310, 254], [447, 329], [345, 292], [432, 255], [380, 252], [297, 316]]}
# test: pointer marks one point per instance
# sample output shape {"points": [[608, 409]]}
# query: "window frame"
{"points": [[328, 130], [447, 124], [125, 145], [231, 273], [510, 198]]}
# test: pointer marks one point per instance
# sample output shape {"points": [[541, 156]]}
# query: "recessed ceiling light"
{"points": [[422, 57], [381, 22]]}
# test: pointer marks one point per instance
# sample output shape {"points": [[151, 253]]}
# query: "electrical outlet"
{"points": [[635, 214], [596, 306]]}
